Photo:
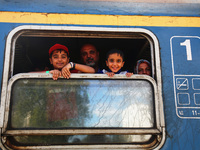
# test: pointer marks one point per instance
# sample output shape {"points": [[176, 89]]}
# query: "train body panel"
{"points": [[110, 7], [174, 25]]}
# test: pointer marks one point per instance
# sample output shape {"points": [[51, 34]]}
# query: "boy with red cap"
{"points": [[59, 58]]}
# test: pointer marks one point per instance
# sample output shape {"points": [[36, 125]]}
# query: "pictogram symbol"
{"points": [[182, 84]]}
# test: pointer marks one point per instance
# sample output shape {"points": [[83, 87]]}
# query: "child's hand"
{"points": [[66, 71], [56, 74], [110, 74], [128, 74]]}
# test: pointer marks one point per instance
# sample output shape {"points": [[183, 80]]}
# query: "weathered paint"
{"points": [[108, 20], [111, 7], [181, 133]]}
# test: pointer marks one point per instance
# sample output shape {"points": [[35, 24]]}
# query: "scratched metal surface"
{"points": [[119, 7], [182, 133]]}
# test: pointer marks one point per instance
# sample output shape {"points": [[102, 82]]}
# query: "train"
{"points": [[94, 111]]}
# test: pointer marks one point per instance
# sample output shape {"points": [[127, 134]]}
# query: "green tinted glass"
{"points": [[44, 103]]}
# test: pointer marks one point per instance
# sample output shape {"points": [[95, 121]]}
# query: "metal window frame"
{"points": [[131, 131], [9, 62]]}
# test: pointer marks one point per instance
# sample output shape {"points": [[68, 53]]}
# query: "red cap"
{"points": [[58, 46]]}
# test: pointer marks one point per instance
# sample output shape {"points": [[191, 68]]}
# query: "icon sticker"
{"points": [[182, 84]]}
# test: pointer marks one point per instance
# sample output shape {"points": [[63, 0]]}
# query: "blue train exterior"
{"points": [[176, 25]]}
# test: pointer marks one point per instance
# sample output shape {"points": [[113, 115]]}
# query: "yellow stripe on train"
{"points": [[90, 19]]}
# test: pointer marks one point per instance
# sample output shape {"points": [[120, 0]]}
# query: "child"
{"points": [[143, 67], [115, 61], [59, 58]]}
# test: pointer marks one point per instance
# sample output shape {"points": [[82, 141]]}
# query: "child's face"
{"points": [[59, 59], [115, 62], [144, 69]]}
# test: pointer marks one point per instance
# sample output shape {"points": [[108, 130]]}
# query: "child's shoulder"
{"points": [[123, 72], [104, 71]]}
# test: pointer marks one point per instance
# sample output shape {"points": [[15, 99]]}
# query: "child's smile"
{"points": [[115, 62], [59, 59]]}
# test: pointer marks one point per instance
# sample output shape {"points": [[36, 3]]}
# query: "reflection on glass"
{"points": [[44, 103], [48, 104]]}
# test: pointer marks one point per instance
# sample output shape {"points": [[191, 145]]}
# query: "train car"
{"points": [[93, 110]]}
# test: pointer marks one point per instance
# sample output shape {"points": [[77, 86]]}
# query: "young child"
{"points": [[59, 58], [114, 62], [143, 67]]}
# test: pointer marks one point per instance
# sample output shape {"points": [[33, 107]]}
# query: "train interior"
{"points": [[31, 48]]}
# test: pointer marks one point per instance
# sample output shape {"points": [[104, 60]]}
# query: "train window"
{"points": [[87, 109], [31, 50]]}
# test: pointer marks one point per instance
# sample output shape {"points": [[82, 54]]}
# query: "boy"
{"points": [[59, 58], [115, 61]]}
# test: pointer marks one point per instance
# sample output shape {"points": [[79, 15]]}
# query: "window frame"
{"points": [[8, 73], [98, 131]]}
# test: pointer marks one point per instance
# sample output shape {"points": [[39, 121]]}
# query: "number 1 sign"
{"points": [[185, 57], [185, 54]]}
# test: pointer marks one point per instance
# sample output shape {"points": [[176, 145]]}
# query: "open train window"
{"points": [[31, 48], [87, 109]]}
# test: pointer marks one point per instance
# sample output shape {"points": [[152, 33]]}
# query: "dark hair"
{"points": [[112, 51]]}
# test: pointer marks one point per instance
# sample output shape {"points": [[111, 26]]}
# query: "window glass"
{"points": [[44, 103]]}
